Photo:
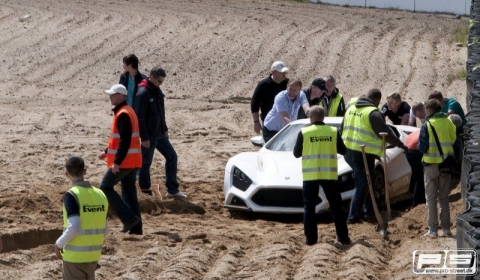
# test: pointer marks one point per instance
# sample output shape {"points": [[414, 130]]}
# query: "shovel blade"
{"points": [[383, 230]]}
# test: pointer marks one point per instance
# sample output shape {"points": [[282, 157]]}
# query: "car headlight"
{"points": [[236, 171], [240, 180]]}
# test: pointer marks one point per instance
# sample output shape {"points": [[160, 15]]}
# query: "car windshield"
{"points": [[285, 140]]}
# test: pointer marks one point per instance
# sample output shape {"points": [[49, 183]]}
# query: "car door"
{"points": [[399, 171]]}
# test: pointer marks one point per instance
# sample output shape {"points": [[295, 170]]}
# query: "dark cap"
{"points": [[320, 83]]}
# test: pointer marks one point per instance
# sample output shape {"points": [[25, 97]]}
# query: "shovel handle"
{"points": [[381, 222]]}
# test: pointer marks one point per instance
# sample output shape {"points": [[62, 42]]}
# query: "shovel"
{"points": [[382, 225]]}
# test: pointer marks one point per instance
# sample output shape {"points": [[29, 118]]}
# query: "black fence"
{"points": [[468, 223]]}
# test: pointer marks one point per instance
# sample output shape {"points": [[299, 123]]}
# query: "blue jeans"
{"points": [[361, 193], [125, 207], [310, 196], [163, 145]]}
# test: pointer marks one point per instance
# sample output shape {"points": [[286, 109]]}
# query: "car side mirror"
{"points": [[257, 141]]}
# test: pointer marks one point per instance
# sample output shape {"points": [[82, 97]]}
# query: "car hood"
{"points": [[283, 169]]}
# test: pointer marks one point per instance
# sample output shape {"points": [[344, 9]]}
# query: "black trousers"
{"points": [[416, 181], [310, 194]]}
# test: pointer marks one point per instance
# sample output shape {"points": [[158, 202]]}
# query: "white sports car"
{"points": [[270, 180]]}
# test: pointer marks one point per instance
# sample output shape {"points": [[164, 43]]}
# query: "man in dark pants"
{"points": [[265, 92], [318, 145], [362, 125], [414, 158], [123, 157], [149, 105]]}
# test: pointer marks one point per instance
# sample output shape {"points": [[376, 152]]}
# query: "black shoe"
{"points": [[136, 232], [346, 242], [369, 219], [310, 243], [127, 227], [150, 193], [353, 221]]}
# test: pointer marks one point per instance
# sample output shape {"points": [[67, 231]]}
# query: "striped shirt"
{"points": [[273, 120]]}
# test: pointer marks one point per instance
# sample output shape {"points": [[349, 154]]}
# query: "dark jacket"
{"points": [[311, 102], [264, 95], [327, 100], [298, 149], [378, 123], [138, 79], [149, 105]]}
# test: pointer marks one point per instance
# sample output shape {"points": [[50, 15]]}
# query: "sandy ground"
{"points": [[56, 65]]}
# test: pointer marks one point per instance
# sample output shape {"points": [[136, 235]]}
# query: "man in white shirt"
{"points": [[285, 109]]}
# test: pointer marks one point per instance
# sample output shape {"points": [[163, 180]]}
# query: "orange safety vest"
{"points": [[134, 155]]}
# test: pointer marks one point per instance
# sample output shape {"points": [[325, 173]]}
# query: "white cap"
{"points": [[119, 88], [279, 67]]}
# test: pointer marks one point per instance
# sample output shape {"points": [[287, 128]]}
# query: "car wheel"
{"points": [[379, 189]]}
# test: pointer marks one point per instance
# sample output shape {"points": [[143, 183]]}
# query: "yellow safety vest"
{"points": [[335, 103], [134, 155], [353, 101], [319, 156], [87, 246], [446, 132], [357, 130]]}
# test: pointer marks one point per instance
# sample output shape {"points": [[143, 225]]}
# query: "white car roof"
{"points": [[328, 120]]}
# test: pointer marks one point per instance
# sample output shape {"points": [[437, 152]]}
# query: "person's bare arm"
{"points": [[256, 122], [412, 121], [306, 109], [285, 117], [405, 119]]}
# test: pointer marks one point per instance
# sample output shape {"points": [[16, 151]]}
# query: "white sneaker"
{"points": [[178, 194], [447, 232], [431, 234]]}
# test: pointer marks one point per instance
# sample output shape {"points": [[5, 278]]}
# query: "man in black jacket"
{"points": [[149, 105], [314, 94], [362, 125], [265, 92], [131, 77]]}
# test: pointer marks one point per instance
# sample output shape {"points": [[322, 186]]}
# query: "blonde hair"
{"points": [[395, 96]]}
